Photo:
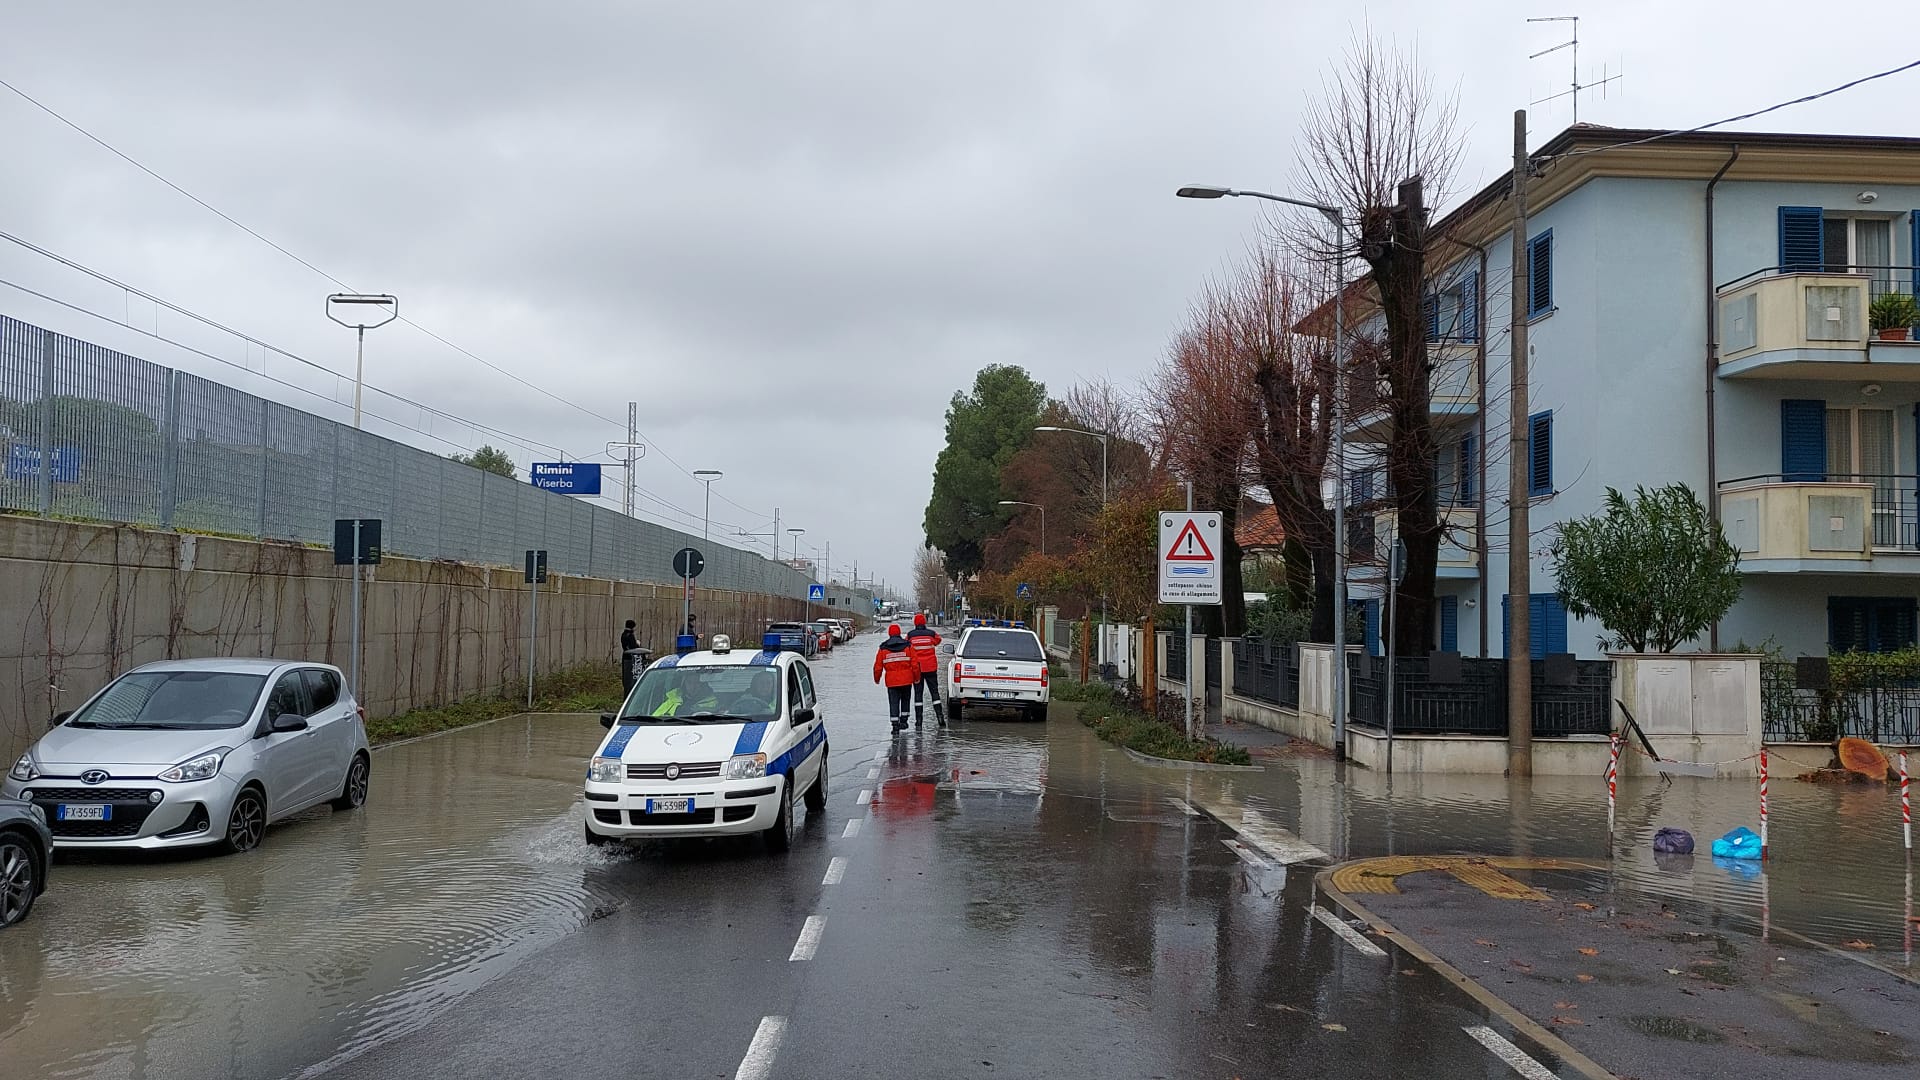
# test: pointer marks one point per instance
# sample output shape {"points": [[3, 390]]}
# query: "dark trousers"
{"points": [[927, 689], [899, 702]]}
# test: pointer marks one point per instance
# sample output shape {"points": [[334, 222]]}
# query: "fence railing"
{"points": [[1790, 712], [1266, 672], [1468, 695], [90, 433], [1177, 656]]}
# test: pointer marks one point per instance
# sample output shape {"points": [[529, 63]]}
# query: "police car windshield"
{"points": [[704, 695], [1002, 645]]}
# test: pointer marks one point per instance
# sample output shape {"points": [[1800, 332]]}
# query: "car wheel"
{"points": [[817, 794], [19, 877], [954, 709], [247, 823], [594, 839], [1037, 713], [353, 794], [780, 834]]}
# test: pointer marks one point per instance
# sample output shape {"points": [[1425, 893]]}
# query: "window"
{"points": [[1869, 623], [1540, 274], [1864, 244], [1454, 475], [1540, 453], [806, 684], [1453, 312], [174, 700], [323, 688], [1002, 645], [1863, 447], [796, 697], [1801, 238], [287, 699], [1546, 626], [1449, 624]]}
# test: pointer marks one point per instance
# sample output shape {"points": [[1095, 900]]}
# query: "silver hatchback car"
{"points": [[188, 752]]}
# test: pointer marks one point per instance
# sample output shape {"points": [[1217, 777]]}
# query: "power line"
{"points": [[236, 223]]}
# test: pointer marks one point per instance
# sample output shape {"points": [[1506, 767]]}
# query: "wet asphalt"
{"points": [[1009, 899]]}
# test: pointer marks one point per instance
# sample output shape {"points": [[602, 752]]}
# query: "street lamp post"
{"points": [[1043, 519], [707, 477], [362, 302], [1337, 450], [1103, 499], [796, 534]]}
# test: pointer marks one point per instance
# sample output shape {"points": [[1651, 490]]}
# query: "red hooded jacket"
{"points": [[894, 661], [925, 645]]}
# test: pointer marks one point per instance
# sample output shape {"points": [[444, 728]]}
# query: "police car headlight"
{"points": [[605, 770], [746, 767]]}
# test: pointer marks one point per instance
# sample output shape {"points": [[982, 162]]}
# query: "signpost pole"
{"points": [[533, 634], [1394, 570], [1189, 636], [354, 666]]}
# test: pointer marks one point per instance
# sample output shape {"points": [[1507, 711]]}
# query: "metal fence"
{"points": [[1790, 712], [1177, 656], [90, 433], [1267, 672], [1468, 695]]}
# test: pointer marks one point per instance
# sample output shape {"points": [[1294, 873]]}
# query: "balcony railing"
{"points": [[1838, 516], [1792, 323], [1453, 388]]}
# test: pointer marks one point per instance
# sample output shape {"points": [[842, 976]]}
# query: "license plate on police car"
{"points": [[1003, 693], [85, 812], [670, 806]]}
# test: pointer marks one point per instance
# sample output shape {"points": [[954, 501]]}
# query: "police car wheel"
{"points": [[817, 794], [594, 839], [780, 834]]}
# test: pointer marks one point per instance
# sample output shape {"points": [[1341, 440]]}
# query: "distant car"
{"points": [[823, 635], [999, 667], [796, 637], [188, 752], [26, 850], [851, 630]]}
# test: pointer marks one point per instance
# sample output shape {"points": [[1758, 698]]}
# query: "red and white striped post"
{"points": [[1906, 808], [1613, 785], [1763, 805]]}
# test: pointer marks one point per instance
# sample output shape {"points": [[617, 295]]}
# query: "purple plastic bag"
{"points": [[1673, 841]]}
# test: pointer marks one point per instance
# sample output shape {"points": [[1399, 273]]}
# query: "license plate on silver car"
{"points": [[670, 806], [85, 812]]}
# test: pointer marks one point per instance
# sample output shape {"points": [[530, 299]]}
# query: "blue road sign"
{"points": [[23, 463], [816, 592], [566, 477], [1025, 590]]}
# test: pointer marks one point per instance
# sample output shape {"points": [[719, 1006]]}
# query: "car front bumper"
{"points": [[137, 821], [618, 810]]}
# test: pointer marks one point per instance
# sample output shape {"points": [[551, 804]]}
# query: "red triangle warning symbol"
{"points": [[1190, 546]]}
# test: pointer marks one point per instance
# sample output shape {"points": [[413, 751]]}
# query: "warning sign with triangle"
{"points": [[1190, 546]]}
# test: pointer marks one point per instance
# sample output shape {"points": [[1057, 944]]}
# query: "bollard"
{"points": [[1613, 784], [1906, 808], [1763, 806]]}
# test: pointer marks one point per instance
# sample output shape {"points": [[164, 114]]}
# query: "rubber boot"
{"points": [[939, 715]]}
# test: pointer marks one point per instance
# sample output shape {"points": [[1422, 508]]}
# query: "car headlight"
{"points": [[745, 767], [606, 770], [23, 769], [204, 767]]}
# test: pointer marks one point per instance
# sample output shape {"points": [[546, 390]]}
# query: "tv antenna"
{"points": [[1573, 88]]}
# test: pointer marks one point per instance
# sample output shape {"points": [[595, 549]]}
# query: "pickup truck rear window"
{"points": [[1002, 645]]}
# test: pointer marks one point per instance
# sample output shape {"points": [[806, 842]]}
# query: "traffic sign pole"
{"points": [[355, 666], [1190, 636]]}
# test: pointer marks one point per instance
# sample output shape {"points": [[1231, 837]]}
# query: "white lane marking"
{"points": [[879, 755], [873, 774], [1509, 1053], [1351, 935], [1260, 830], [1183, 806], [809, 938], [836, 870], [853, 828], [865, 797], [758, 1064], [1269, 879]]}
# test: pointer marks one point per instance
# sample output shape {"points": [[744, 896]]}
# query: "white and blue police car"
{"points": [[715, 743]]}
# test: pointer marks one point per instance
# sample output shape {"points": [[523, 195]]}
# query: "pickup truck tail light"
{"points": [[956, 671], [1045, 670]]}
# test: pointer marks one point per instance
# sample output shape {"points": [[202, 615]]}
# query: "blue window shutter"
{"points": [[1373, 627], [1449, 624], [1470, 473], [1553, 622], [1540, 453], [1470, 303], [1803, 441], [1540, 274], [1506, 626], [1913, 247], [1432, 307], [1801, 230]]}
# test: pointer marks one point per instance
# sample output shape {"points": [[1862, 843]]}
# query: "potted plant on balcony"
{"points": [[1891, 314]]}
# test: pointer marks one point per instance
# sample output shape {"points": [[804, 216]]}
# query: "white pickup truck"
{"points": [[998, 667]]}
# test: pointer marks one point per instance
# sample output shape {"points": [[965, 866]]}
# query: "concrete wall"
{"points": [[80, 603]]}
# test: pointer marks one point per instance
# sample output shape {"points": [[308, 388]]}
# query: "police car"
{"points": [[716, 743]]}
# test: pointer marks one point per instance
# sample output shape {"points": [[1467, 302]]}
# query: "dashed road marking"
{"points": [[879, 755], [1347, 933], [852, 829], [836, 870], [810, 932], [1509, 1053], [1259, 830], [865, 796], [758, 1064], [873, 774], [1183, 806]]}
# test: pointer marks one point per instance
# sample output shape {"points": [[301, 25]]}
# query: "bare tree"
{"points": [[1380, 142], [929, 580]]}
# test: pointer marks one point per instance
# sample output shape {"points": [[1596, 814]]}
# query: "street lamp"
{"points": [[1103, 498], [796, 533], [362, 302], [1339, 221], [1043, 519], [707, 477]]}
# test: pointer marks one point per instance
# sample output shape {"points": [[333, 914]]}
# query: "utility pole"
{"points": [[1519, 535], [635, 450]]}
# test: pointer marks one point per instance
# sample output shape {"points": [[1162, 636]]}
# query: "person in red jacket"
{"points": [[896, 664], [924, 643]]}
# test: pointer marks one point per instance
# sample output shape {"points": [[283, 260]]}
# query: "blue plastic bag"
{"points": [[1741, 843]]}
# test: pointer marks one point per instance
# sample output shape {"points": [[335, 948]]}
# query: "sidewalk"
{"points": [[1264, 744], [1645, 988]]}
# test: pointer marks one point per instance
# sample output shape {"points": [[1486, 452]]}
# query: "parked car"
{"points": [[1000, 667], [852, 631], [26, 850], [188, 752], [795, 637], [823, 631]]}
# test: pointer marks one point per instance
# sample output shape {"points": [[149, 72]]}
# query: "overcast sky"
{"points": [[790, 230]]}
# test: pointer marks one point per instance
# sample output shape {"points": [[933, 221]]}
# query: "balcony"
{"points": [[1371, 537], [1842, 524], [1804, 325], [1454, 391]]}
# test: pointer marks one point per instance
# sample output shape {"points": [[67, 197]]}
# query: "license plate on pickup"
{"points": [[1003, 693], [670, 806], [84, 812]]}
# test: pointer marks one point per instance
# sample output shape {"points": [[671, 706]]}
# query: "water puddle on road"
{"points": [[341, 931]]}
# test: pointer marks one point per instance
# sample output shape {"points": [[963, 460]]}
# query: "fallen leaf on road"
{"points": [[1584, 907], [1565, 1006], [1584, 978], [1569, 1021], [1408, 971], [1484, 941], [1673, 971], [1858, 944], [1334, 1027], [1589, 952]]}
